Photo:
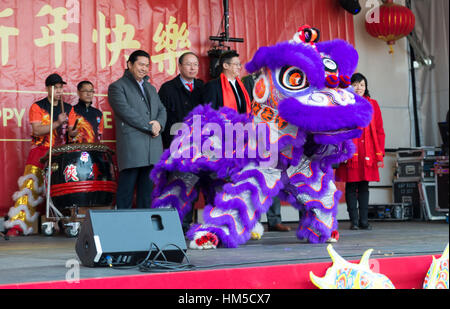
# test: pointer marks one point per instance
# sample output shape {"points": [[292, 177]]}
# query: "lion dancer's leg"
{"points": [[317, 197], [179, 192], [237, 209], [24, 213]]}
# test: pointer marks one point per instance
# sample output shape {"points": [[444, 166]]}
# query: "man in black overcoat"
{"points": [[181, 94]]}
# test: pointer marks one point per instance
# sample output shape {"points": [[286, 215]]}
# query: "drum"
{"points": [[83, 175]]}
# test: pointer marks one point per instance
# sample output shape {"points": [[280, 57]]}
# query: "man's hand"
{"points": [[72, 132], [40, 130], [156, 128], [62, 118]]}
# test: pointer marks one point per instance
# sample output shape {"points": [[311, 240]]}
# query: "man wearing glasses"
{"points": [[85, 121], [228, 90], [181, 94]]}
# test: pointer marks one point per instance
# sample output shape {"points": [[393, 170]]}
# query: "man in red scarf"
{"points": [[228, 90]]}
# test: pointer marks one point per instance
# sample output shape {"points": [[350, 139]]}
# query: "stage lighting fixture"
{"points": [[215, 52], [351, 6]]}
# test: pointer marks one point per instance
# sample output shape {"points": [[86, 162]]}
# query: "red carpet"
{"points": [[404, 272]]}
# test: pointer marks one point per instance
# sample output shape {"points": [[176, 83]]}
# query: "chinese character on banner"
{"points": [[5, 33], [168, 40], [57, 27], [121, 42]]}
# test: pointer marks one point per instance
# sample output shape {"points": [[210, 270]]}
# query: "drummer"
{"points": [[23, 215], [85, 121]]}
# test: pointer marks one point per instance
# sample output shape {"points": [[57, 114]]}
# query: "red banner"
{"points": [[85, 39]]}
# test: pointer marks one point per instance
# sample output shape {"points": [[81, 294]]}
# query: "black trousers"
{"points": [[274, 212], [129, 179], [357, 194]]}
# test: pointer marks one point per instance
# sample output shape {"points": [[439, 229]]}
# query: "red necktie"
{"points": [[190, 86]]}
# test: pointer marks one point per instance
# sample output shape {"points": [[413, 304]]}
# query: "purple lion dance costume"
{"points": [[304, 115]]}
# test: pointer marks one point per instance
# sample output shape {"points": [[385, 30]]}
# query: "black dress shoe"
{"points": [[354, 227], [366, 227]]}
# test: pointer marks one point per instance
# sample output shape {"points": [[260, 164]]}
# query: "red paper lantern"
{"points": [[395, 22]]}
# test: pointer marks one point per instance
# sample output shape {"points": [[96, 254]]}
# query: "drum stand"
{"points": [[70, 221], [71, 227], [50, 224]]}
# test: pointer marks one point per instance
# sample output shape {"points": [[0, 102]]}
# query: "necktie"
{"points": [[236, 94], [190, 86]]}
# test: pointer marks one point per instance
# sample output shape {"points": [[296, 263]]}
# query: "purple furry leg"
{"points": [[313, 191], [239, 206], [229, 220], [317, 223], [178, 193]]}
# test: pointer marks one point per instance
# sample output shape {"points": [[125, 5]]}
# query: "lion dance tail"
{"points": [[23, 214]]}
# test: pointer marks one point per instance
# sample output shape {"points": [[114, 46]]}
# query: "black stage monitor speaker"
{"points": [[428, 192], [125, 237], [442, 184]]}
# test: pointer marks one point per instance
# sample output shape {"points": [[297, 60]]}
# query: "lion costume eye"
{"points": [[330, 65], [292, 78]]}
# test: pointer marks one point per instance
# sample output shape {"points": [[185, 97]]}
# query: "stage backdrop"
{"points": [[91, 39]]}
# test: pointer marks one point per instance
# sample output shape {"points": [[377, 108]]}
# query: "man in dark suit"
{"points": [[139, 118], [181, 94], [228, 90]]}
